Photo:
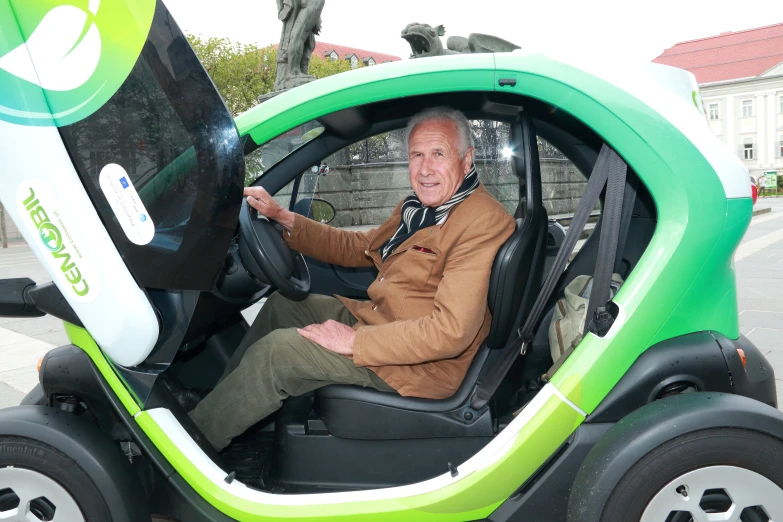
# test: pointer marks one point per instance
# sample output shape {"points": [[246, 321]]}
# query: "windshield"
{"points": [[260, 159]]}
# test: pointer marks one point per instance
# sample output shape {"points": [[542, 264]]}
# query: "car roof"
{"points": [[670, 94]]}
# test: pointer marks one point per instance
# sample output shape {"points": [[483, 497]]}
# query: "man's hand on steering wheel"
{"points": [[259, 199], [264, 252]]}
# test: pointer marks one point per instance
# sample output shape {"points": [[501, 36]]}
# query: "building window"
{"points": [[354, 61], [331, 55], [747, 148], [780, 109], [747, 108], [714, 111], [780, 146], [368, 61]]}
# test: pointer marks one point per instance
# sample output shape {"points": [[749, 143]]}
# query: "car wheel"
{"points": [[718, 474], [38, 483]]}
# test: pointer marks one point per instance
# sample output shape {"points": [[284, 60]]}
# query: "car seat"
{"points": [[363, 413]]}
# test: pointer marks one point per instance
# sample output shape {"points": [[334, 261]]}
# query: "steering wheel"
{"points": [[268, 258]]}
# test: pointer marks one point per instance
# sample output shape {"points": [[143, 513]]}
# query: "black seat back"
{"points": [[518, 268]]}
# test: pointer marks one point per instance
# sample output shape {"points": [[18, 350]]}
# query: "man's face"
{"points": [[435, 168]]}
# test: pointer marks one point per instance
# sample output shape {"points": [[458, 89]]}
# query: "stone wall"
{"points": [[366, 194]]}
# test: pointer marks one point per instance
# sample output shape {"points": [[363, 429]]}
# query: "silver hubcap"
{"points": [[29, 496], [717, 494]]}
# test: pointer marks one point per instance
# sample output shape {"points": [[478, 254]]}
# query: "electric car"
{"points": [[124, 171]]}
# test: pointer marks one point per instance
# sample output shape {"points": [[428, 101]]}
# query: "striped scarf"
{"points": [[415, 216]]}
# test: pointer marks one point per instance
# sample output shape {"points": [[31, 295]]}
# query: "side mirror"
{"points": [[322, 211], [316, 209]]}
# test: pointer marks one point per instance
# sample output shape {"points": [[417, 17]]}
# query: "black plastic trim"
{"points": [[313, 461], [653, 425], [92, 451], [15, 300], [49, 300], [694, 360], [755, 378], [69, 371], [548, 490]]}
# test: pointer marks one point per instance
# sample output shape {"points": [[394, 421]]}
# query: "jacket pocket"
{"points": [[413, 271]]}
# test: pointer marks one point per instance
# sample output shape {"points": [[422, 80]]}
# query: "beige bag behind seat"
{"points": [[568, 321]]}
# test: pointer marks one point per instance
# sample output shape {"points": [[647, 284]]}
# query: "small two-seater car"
{"points": [[124, 171]]}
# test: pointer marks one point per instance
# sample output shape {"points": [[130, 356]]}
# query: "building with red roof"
{"points": [[740, 76], [352, 54]]}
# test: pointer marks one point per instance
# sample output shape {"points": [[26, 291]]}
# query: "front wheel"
{"points": [[37, 482], [725, 474]]}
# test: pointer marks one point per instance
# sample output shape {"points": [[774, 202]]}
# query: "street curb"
{"points": [[759, 211]]}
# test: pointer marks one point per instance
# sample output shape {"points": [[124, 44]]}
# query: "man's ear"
{"points": [[467, 161]]}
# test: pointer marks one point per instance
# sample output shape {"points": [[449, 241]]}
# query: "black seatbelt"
{"points": [[598, 319], [629, 201], [488, 385]]}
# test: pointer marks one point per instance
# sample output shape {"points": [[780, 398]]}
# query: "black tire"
{"points": [[735, 447], [29, 454]]}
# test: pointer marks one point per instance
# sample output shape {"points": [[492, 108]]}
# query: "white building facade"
{"points": [[747, 115]]}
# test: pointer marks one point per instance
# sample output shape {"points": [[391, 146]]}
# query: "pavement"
{"points": [[759, 267]]}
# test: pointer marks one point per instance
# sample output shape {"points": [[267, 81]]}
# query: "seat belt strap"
{"points": [[518, 344], [629, 202], [598, 319]]}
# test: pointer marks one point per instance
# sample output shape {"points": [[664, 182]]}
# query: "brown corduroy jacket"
{"points": [[427, 314]]}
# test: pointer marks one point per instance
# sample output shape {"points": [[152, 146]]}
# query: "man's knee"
{"points": [[276, 350]]}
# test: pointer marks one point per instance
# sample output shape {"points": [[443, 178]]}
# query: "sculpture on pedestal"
{"points": [[301, 22], [425, 41]]}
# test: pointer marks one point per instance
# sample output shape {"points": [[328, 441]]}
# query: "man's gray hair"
{"points": [[444, 114]]}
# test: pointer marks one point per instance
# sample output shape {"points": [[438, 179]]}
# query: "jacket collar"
{"points": [[386, 230]]}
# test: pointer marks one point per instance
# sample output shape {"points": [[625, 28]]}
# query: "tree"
{"points": [[3, 231], [243, 72]]}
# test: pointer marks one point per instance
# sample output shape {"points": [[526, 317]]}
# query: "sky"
{"points": [[623, 30]]}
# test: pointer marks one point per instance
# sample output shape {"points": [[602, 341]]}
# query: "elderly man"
{"points": [[427, 314]]}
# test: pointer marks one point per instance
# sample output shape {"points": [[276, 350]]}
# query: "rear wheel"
{"points": [[38, 483], [719, 474]]}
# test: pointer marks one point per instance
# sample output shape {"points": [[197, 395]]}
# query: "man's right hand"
{"points": [[259, 199]]}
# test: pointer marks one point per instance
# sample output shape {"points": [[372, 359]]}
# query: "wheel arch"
{"points": [[649, 427], [96, 454]]}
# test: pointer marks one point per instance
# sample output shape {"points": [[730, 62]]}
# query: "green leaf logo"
{"points": [[62, 53], [61, 60]]}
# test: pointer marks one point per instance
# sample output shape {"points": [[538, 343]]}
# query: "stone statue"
{"points": [[425, 41], [301, 22]]}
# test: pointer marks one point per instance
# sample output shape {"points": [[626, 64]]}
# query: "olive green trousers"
{"points": [[274, 362]]}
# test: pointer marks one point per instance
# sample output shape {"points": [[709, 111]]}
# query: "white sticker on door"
{"points": [[126, 204]]}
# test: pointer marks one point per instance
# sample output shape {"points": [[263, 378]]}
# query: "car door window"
{"points": [[365, 180]]}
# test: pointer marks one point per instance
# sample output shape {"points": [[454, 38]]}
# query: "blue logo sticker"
{"points": [[124, 182], [143, 217]]}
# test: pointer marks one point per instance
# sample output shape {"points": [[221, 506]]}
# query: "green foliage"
{"points": [[322, 67], [241, 72]]}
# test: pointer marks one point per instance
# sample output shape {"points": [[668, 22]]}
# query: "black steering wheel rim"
{"points": [[268, 257]]}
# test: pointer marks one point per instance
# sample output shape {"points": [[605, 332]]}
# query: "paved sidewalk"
{"points": [[759, 266]]}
